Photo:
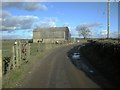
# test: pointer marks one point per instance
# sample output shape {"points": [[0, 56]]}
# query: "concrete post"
{"points": [[108, 20]]}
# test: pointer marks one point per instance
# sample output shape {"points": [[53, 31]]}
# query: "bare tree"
{"points": [[83, 31]]}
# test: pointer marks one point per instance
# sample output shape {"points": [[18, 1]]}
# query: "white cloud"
{"points": [[66, 25], [17, 22], [24, 34], [60, 13], [118, 34], [34, 6], [11, 23], [29, 6], [10, 36], [114, 34], [4, 14], [18, 36], [91, 25], [7, 28], [47, 22], [103, 33], [72, 30]]}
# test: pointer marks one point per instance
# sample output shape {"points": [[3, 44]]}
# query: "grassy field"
{"points": [[7, 47], [13, 77]]}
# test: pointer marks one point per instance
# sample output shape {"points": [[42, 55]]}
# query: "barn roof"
{"points": [[51, 28]]}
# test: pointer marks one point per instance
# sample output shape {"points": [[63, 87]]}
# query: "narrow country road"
{"points": [[55, 70]]}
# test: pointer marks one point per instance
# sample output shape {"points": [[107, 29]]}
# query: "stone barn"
{"points": [[51, 35]]}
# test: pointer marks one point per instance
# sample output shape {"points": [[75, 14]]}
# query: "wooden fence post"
{"points": [[13, 56], [19, 53], [28, 51], [38, 46], [17, 57], [22, 52], [23, 46], [41, 47], [9, 64]]}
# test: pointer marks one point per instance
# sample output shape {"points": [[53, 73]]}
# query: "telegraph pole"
{"points": [[108, 20]]}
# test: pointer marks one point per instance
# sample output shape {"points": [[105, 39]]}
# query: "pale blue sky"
{"points": [[57, 14]]}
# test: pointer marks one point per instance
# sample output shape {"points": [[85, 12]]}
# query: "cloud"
{"points": [[24, 34], [91, 25], [5, 35], [34, 6], [118, 34], [16, 36], [66, 25], [103, 33], [4, 14], [114, 34], [29, 6], [12, 4], [90, 29], [10, 22], [4, 28], [60, 13], [10, 36], [47, 22]]}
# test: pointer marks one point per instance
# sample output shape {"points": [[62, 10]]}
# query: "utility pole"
{"points": [[108, 20]]}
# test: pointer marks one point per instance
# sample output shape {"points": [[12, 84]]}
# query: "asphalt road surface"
{"points": [[55, 70]]}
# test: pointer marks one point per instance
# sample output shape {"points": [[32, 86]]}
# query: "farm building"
{"points": [[51, 34]]}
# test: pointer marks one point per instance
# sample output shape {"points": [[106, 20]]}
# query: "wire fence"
{"points": [[20, 53]]}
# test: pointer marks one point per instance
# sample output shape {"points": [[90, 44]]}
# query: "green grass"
{"points": [[7, 47]]}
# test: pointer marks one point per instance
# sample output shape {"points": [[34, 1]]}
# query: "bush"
{"points": [[30, 41], [105, 57]]}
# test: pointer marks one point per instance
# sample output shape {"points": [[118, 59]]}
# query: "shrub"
{"points": [[30, 41], [105, 57]]}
